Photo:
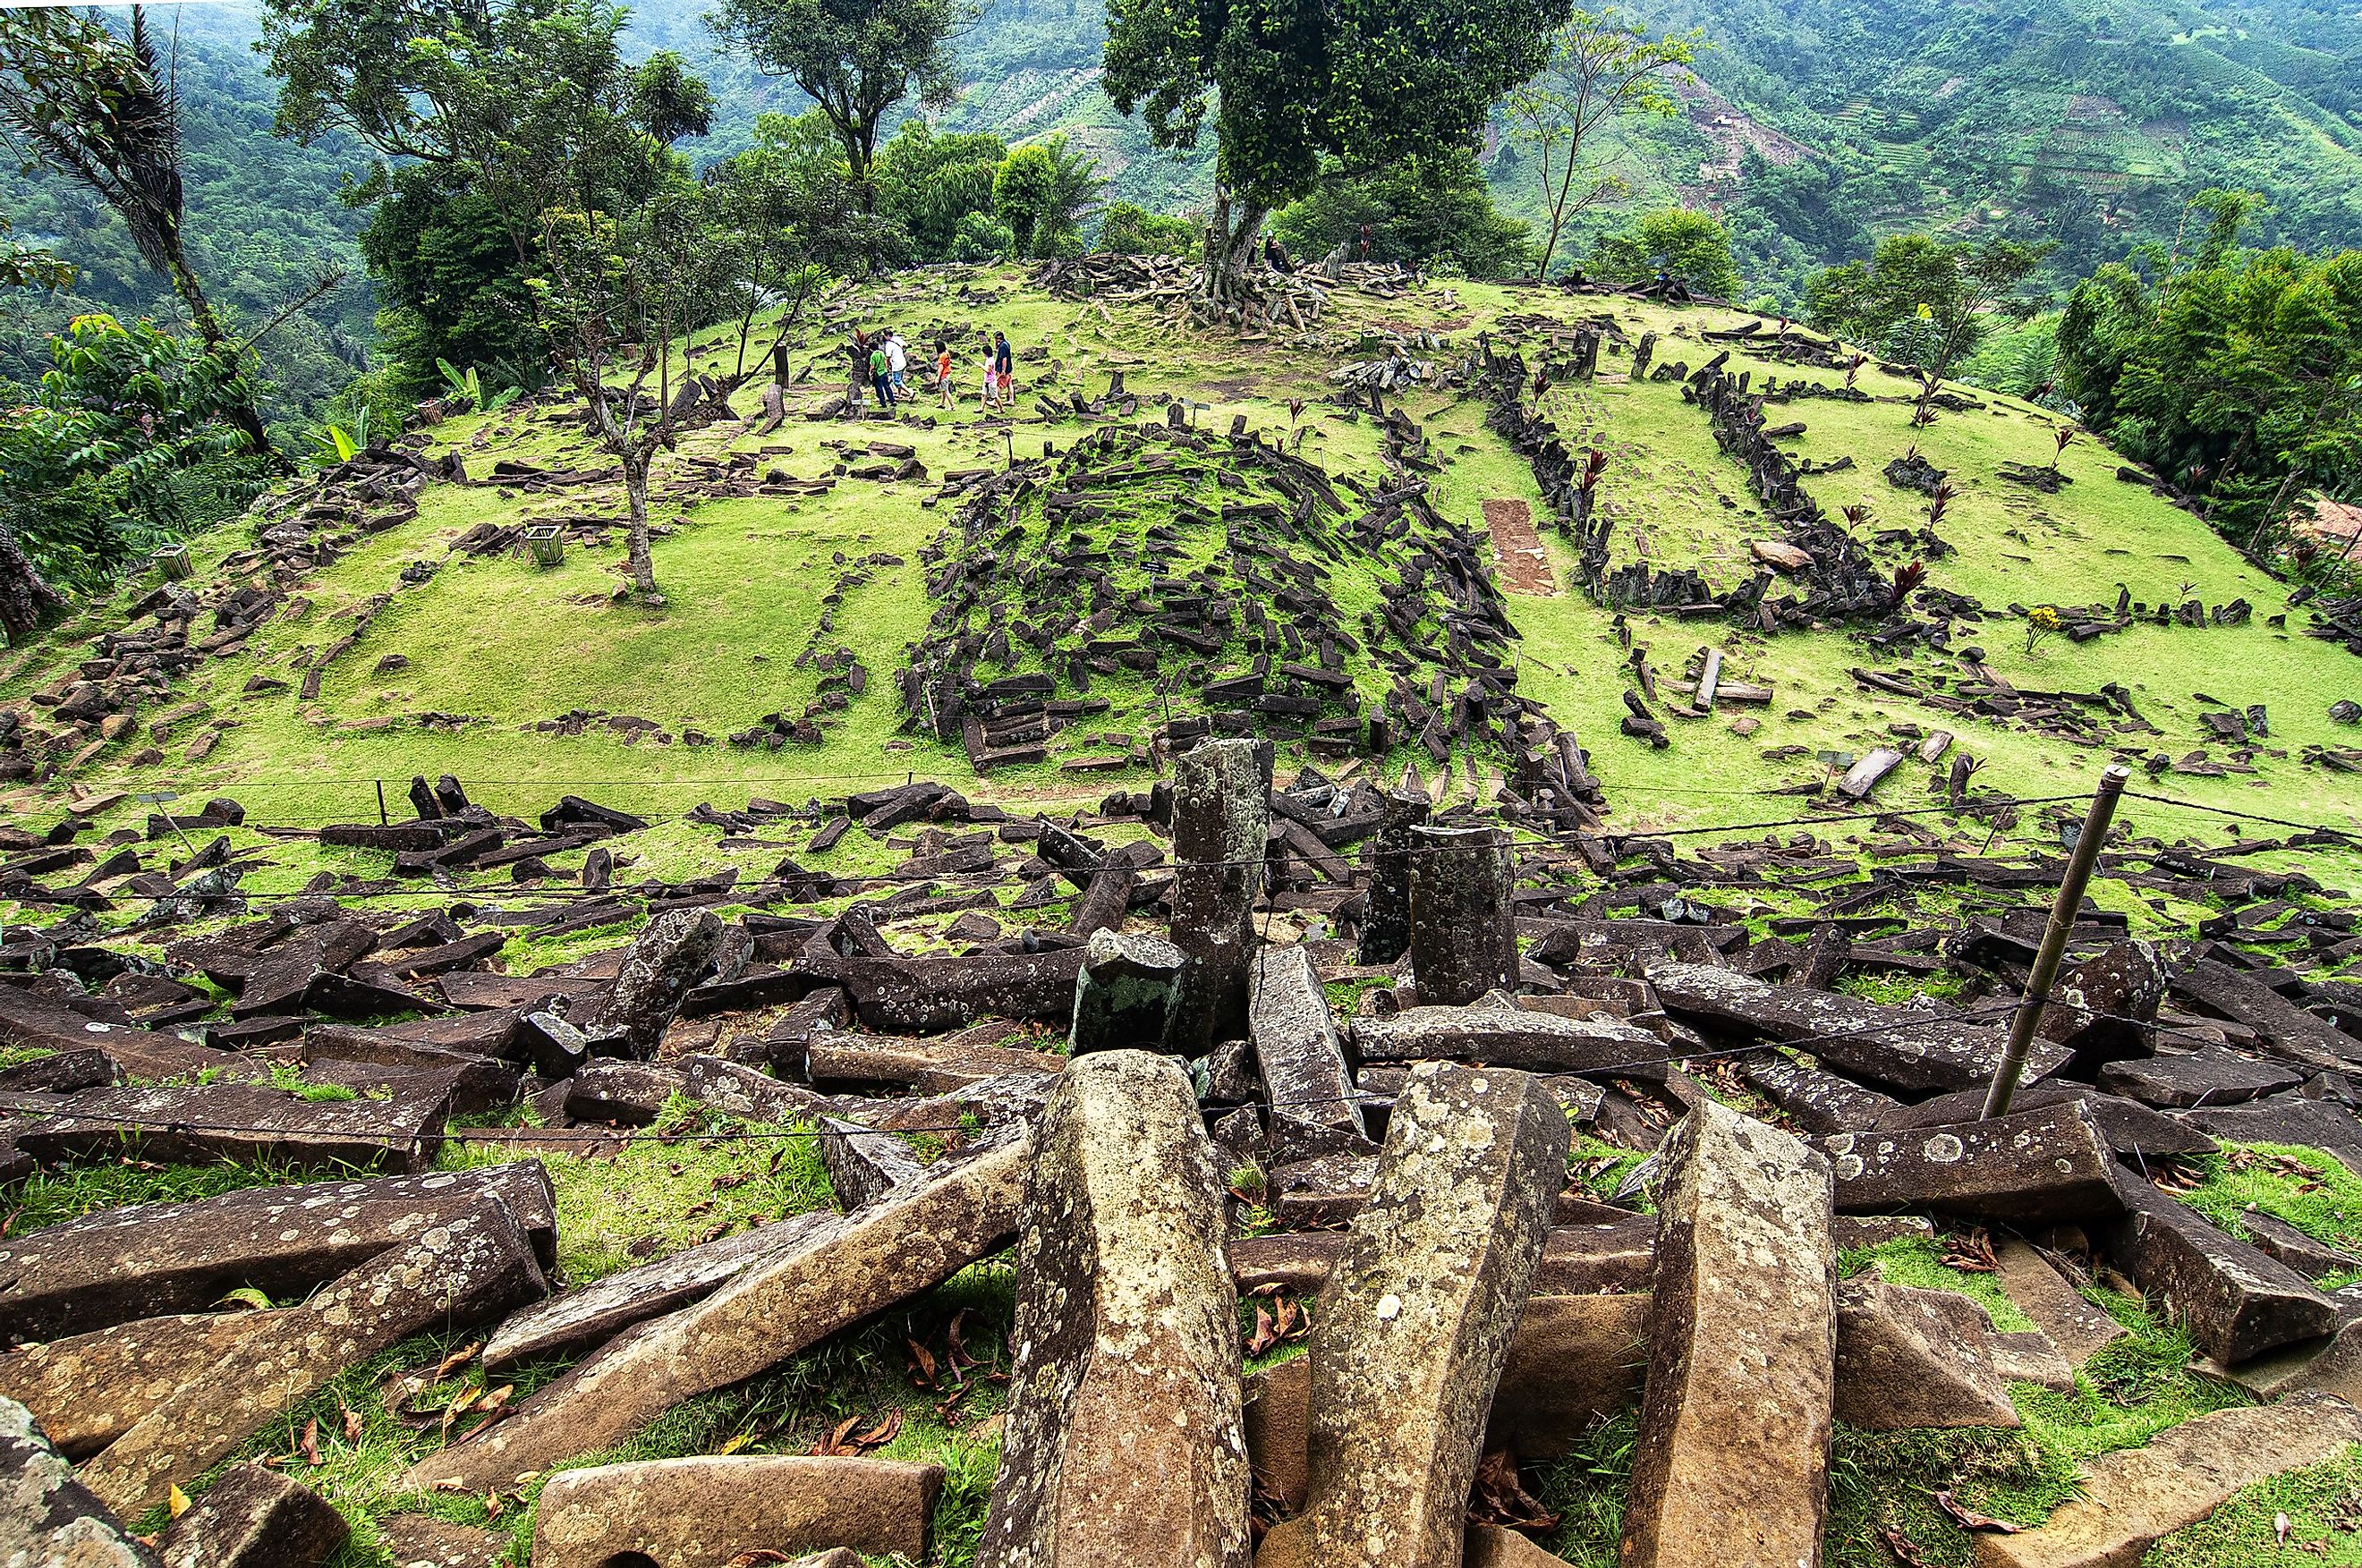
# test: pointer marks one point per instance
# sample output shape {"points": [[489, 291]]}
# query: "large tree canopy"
{"points": [[856, 59], [1295, 87]]}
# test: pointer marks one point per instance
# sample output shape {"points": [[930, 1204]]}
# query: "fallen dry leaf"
{"points": [[922, 1363], [888, 1427], [176, 1502], [1264, 1337], [1500, 1497], [1903, 1549], [1969, 1519], [352, 1422], [458, 1358], [310, 1442]]}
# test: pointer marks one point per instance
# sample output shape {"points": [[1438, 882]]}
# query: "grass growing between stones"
{"points": [[1919, 1261], [1888, 1481], [2300, 1187]]}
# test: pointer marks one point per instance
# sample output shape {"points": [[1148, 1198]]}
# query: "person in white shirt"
{"points": [[897, 365]]}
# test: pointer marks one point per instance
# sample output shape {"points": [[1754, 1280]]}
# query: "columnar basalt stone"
{"points": [[472, 1266], [2125, 1500], [1221, 821], [2105, 1009], [2074, 1326], [926, 995], [1411, 1329], [709, 1511], [254, 1517], [1124, 995], [2045, 1167], [863, 1165], [666, 959], [1910, 1358], [154, 1258], [1910, 1050], [2235, 1302], [1732, 1461], [1816, 1102], [589, 1315], [1505, 1037], [1296, 1045], [1462, 942], [89, 1389], [837, 1274], [1124, 1442], [46, 1516], [1386, 916]]}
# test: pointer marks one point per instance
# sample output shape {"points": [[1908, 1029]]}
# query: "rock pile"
{"points": [[1403, 1159]]}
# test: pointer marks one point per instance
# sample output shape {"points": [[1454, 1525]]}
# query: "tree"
{"points": [[782, 225], [100, 111], [855, 59], [480, 113], [1041, 190], [927, 183], [1599, 68], [1675, 243], [1126, 228], [1288, 86], [1957, 289], [1422, 211], [2241, 379]]}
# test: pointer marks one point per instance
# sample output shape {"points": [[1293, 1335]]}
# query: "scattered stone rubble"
{"points": [[1469, 1309]]}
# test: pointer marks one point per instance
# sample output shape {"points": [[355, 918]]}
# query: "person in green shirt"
{"points": [[882, 378]]}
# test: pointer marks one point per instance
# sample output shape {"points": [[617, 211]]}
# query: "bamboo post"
{"points": [[2028, 1021]]}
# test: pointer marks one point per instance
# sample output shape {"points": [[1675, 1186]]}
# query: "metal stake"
{"points": [[2086, 855]]}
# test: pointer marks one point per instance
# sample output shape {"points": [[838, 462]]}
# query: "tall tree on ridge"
{"points": [[1286, 83], [102, 112], [1600, 68], [856, 59]]}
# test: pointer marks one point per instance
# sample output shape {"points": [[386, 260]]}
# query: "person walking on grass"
{"points": [[991, 379], [882, 378], [897, 365], [1004, 369], [945, 394], [859, 349]]}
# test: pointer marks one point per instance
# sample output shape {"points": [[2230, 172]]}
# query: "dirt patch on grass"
{"points": [[1524, 568]]}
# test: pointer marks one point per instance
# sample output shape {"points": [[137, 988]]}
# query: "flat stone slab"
{"points": [[836, 1275], [930, 1066], [2046, 1166], [704, 1512], [1123, 1441], [1503, 1037], [2132, 1497], [1296, 1045], [922, 996], [469, 1267], [150, 1259], [2211, 1075], [2289, 1119], [1907, 1051], [1731, 1464]]}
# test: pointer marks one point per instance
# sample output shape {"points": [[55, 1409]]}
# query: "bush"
{"points": [[1685, 247], [1434, 212], [1129, 229]]}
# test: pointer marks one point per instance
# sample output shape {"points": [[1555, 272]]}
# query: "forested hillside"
{"points": [[1813, 125]]}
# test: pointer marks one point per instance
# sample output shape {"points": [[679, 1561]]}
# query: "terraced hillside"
{"points": [[729, 1011]]}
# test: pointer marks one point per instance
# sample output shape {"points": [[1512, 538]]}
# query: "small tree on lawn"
{"points": [[1289, 85], [642, 276], [1600, 68]]}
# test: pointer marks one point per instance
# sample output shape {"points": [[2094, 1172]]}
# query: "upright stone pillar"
{"points": [[1125, 1440], [1462, 943], [1732, 1463], [1222, 824], [1414, 1324], [1386, 916]]}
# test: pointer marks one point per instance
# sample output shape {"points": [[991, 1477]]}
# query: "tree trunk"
{"points": [[242, 416], [1229, 248], [26, 597], [636, 490]]}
